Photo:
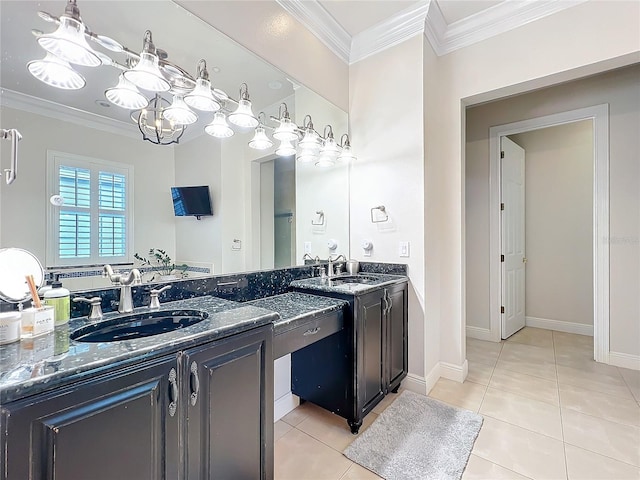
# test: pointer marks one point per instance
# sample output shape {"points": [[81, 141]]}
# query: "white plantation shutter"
{"points": [[94, 223]]}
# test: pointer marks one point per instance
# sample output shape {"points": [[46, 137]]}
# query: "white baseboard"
{"points": [[624, 360], [432, 378], [559, 326], [457, 373], [284, 405], [415, 383], [479, 333]]}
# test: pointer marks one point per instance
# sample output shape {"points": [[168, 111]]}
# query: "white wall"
{"points": [[199, 162], [386, 123], [559, 222], [620, 90], [24, 203]]}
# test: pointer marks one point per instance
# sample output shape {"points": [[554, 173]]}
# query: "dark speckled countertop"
{"points": [[295, 308], [31, 366], [370, 282]]}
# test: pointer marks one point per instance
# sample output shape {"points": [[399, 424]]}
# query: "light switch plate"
{"points": [[404, 249], [307, 247]]}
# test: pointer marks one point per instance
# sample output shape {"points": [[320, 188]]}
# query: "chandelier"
{"points": [[146, 76]]}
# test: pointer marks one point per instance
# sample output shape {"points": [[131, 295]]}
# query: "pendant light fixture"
{"points": [[146, 74], [126, 95], [286, 130], [68, 41], [285, 149], [201, 97], [219, 127], [243, 115], [309, 146], [260, 141], [329, 151], [56, 72], [154, 126], [346, 155]]}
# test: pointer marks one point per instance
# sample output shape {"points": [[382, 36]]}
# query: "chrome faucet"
{"points": [[124, 281], [330, 270]]}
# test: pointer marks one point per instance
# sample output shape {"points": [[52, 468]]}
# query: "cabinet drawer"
{"points": [[307, 333]]}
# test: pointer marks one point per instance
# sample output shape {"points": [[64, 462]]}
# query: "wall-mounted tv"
{"points": [[191, 201]]}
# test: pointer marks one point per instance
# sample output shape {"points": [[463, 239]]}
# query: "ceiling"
{"points": [[356, 16]]}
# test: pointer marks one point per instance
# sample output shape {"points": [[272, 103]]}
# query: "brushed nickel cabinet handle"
{"points": [[311, 331], [173, 392], [195, 383]]}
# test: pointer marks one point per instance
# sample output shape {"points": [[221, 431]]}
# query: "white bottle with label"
{"points": [[60, 299]]}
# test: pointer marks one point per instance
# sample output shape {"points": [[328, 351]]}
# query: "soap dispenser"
{"points": [[59, 298]]}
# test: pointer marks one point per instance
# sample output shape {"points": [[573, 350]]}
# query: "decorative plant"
{"points": [[161, 264]]}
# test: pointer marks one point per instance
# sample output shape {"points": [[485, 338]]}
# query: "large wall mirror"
{"points": [[268, 210]]}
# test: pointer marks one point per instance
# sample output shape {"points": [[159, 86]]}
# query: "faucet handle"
{"points": [[154, 304], [96, 306]]}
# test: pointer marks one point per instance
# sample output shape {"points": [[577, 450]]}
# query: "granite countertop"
{"points": [[295, 308], [371, 281], [34, 365]]}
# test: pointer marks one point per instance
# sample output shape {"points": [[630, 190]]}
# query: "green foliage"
{"points": [[161, 264]]}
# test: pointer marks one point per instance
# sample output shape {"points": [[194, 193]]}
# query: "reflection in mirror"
{"points": [[264, 205], [15, 265]]}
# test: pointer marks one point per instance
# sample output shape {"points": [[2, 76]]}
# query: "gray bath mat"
{"points": [[417, 438]]}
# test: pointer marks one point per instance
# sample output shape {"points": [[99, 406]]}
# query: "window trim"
{"points": [[54, 160]]}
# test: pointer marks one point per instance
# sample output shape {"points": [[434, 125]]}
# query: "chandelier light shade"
{"points": [[286, 130], [243, 115], [285, 149], [146, 74], [179, 113], [126, 95], [260, 141], [219, 127], [201, 97], [154, 126], [56, 72], [346, 155], [68, 41]]}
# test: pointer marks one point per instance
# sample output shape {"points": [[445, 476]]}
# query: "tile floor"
{"points": [[549, 412]]}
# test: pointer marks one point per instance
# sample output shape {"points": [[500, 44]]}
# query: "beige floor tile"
{"points": [[533, 336], [356, 472], [465, 395], [620, 442], [632, 379], [298, 414], [576, 357], [298, 457], [483, 352], [481, 469], [596, 404], [527, 353], [546, 370], [598, 382], [563, 338], [386, 401], [524, 412], [279, 429], [525, 385], [331, 429], [479, 373], [585, 465], [520, 450]]}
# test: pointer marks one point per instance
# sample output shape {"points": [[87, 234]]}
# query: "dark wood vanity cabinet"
{"points": [[351, 372], [163, 419]]}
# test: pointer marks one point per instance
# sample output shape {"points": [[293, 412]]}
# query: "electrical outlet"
{"points": [[404, 249], [307, 247]]}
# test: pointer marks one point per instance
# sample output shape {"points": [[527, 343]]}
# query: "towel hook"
{"points": [[383, 210], [15, 136]]}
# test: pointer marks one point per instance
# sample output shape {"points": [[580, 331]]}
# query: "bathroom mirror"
{"points": [[264, 206], [15, 265]]}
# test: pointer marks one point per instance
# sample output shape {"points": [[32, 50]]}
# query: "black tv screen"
{"points": [[191, 201]]}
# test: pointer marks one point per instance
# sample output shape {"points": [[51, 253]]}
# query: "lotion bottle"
{"points": [[60, 299]]}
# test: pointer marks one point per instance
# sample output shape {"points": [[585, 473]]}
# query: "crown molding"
{"points": [[396, 29], [321, 24], [503, 17], [57, 111]]}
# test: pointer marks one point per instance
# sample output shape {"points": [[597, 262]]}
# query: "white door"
{"points": [[514, 260]]}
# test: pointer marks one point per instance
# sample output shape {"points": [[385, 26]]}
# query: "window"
{"points": [[93, 224]]}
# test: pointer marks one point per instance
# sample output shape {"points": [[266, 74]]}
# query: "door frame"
{"points": [[599, 114]]}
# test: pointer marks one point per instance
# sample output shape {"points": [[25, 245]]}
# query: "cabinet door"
{"points": [[397, 323], [121, 426], [370, 348], [229, 386]]}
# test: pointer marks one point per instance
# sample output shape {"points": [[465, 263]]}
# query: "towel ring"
{"points": [[320, 221], [383, 210]]}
